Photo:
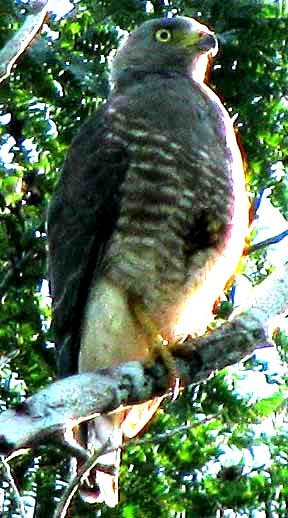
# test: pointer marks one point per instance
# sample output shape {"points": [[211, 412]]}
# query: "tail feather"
{"points": [[139, 416], [102, 485]]}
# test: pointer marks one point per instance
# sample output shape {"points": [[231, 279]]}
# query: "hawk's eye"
{"points": [[163, 35]]}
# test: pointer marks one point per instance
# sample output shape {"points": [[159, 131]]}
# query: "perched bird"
{"points": [[148, 220]]}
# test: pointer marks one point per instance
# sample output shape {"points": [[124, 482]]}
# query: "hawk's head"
{"points": [[167, 46]]}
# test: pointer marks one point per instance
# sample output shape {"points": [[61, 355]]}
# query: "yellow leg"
{"points": [[158, 346]]}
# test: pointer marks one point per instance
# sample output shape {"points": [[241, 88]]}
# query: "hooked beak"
{"points": [[208, 43]]}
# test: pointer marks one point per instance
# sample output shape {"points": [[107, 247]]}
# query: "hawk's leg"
{"points": [[159, 347], [139, 415]]}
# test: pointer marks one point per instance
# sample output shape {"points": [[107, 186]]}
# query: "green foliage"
{"points": [[57, 83]]}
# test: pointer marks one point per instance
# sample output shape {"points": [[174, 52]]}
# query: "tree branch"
{"points": [[267, 242], [23, 38], [66, 498], [80, 397]]}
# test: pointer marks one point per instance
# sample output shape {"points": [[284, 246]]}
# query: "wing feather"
{"points": [[82, 215]]}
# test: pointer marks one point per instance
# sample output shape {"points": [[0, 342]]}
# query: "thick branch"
{"points": [[23, 38], [83, 396]]}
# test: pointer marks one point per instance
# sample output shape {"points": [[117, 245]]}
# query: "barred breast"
{"points": [[172, 196]]}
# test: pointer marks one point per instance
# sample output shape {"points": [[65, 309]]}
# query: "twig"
{"points": [[166, 435], [267, 242], [7, 358], [23, 38], [7, 475], [66, 498]]}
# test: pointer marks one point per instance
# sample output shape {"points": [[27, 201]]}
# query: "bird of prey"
{"points": [[148, 220]]}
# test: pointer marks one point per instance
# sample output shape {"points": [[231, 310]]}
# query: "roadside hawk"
{"points": [[148, 220]]}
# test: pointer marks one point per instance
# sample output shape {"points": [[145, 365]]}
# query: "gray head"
{"points": [[164, 45]]}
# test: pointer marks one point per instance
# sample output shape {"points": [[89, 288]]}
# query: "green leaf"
{"points": [[270, 405]]}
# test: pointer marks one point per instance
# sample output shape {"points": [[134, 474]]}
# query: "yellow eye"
{"points": [[163, 35]]}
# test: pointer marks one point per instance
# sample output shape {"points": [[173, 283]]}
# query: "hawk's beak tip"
{"points": [[209, 43]]}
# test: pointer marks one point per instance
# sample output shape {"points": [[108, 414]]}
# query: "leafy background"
{"points": [[231, 461]]}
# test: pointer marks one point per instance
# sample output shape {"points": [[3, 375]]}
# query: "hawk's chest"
{"points": [[178, 181], [178, 237]]}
